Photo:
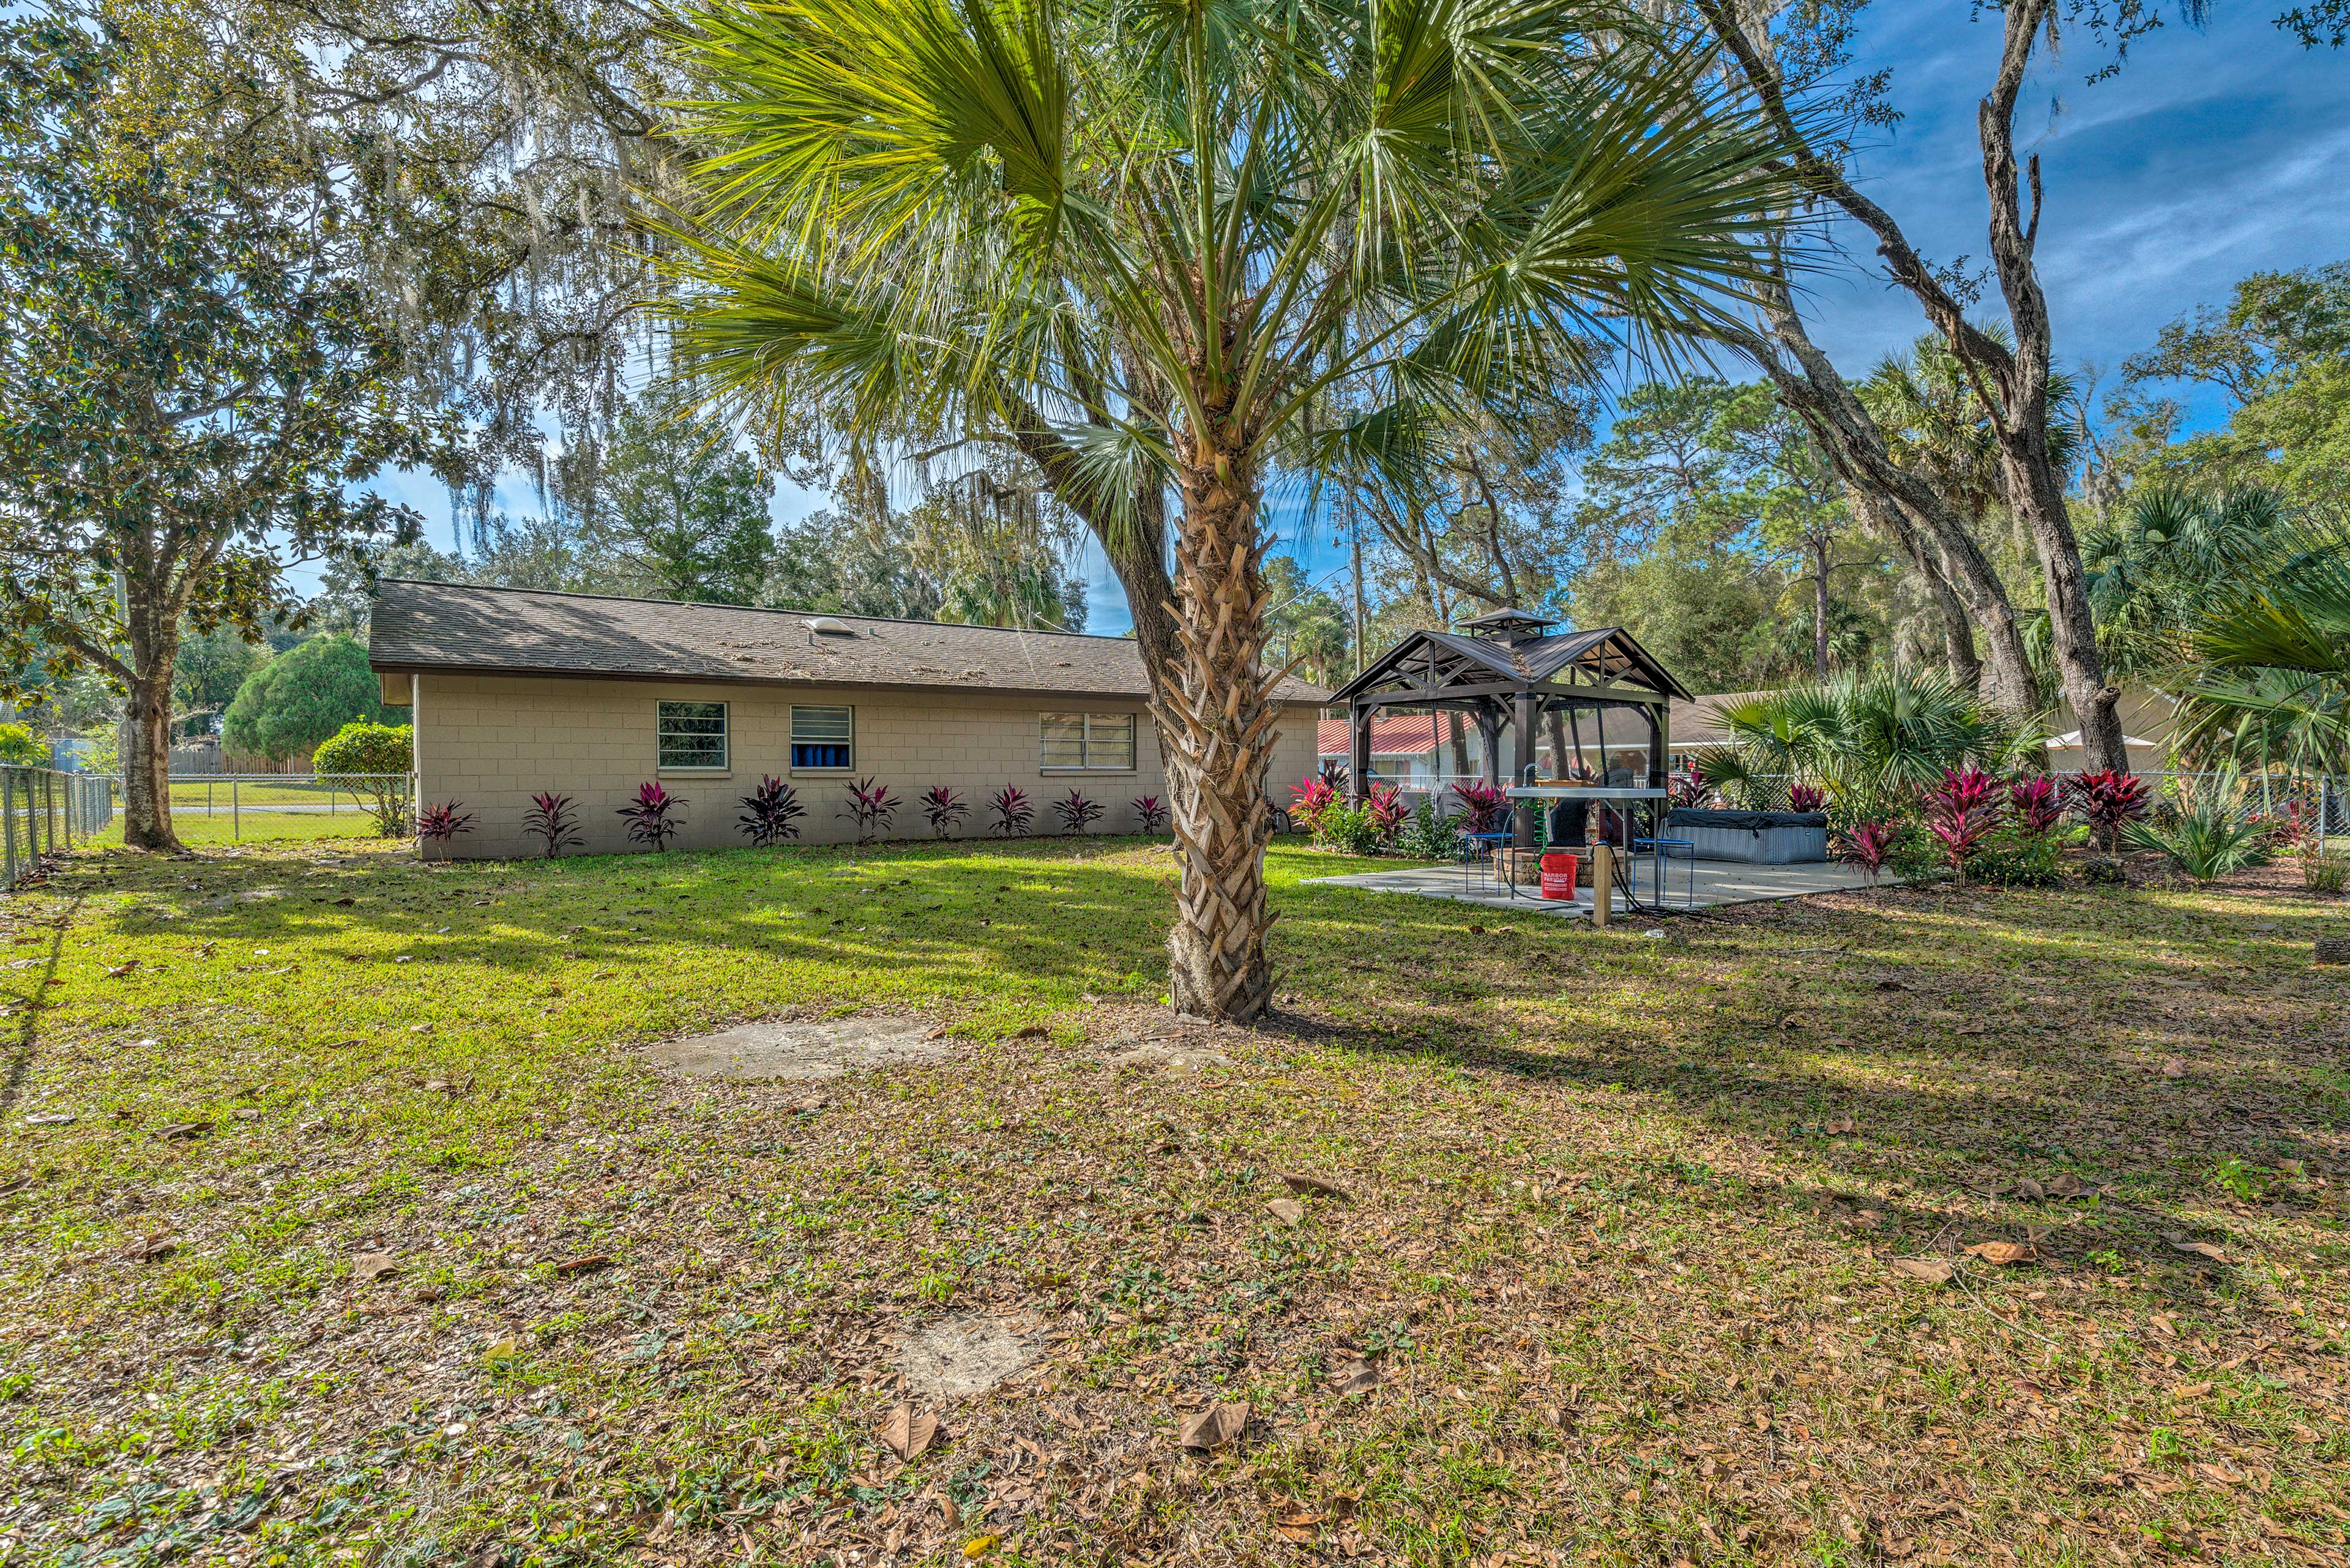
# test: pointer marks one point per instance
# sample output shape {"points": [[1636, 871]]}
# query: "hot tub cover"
{"points": [[1755, 821]]}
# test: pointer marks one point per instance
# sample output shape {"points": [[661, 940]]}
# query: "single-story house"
{"points": [[512, 692]]}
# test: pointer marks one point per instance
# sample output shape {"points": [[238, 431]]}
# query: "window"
{"points": [[1088, 741], [692, 735], [823, 737]]}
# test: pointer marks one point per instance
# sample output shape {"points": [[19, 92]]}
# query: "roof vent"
{"points": [[825, 625]]}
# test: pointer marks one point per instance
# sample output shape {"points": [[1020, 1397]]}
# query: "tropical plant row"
{"points": [[770, 815]]}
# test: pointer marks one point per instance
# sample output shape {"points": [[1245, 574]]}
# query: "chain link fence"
{"points": [[237, 807], [44, 812]]}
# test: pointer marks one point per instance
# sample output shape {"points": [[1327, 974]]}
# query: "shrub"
{"points": [[871, 806], [440, 824], [2035, 805], [2205, 840], [943, 809], [1806, 797], [1481, 804], [19, 747], [1346, 830], [769, 812], [1387, 811], [1012, 811], [375, 760], [301, 698], [648, 817], [1689, 789], [2012, 855], [2325, 873], [1870, 845], [1430, 835], [2107, 801], [1152, 811], [1960, 812], [1309, 799], [550, 820], [1077, 811]]}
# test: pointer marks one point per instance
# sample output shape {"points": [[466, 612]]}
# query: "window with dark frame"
{"points": [[1096, 741], [824, 737], [690, 736]]}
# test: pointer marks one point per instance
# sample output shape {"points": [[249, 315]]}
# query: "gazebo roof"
{"points": [[1562, 664]]}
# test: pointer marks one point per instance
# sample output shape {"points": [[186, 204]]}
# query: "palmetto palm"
{"points": [[2270, 657], [1139, 239], [1868, 738]]}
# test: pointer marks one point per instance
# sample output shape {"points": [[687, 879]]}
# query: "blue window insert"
{"points": [[823, 738]]}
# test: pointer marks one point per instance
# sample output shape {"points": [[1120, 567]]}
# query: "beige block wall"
{"points": [[489, 742]]}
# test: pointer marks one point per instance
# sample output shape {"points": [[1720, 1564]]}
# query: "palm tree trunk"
{"points": [[1218, 717]]}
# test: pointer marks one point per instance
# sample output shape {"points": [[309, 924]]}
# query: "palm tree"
{"points": [[1866, 739], [1139, 242], [2272, 659]]}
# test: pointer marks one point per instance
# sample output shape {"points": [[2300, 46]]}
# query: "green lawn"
{"points": [[1620, 1241]]}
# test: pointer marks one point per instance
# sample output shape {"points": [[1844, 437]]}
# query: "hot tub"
{"points": [[1756, 837]]}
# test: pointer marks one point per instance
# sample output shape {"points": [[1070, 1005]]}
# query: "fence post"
{"points": [[8, 819]]}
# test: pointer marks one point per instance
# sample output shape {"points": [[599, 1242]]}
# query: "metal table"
{"points": [[1621, 802]]}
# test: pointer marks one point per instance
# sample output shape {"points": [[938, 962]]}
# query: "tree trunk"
{"points": [[1820, 609], [2035, 491], [1459, 743], [1218, 718], [146, 764]]}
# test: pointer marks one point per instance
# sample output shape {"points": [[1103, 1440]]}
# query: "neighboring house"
{"points": [[1413, 750], [514, 691]]}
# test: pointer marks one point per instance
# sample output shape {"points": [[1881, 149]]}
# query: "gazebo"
{"points": [[1508, 670]]}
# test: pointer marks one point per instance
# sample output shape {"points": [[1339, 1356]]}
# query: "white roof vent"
{"points": [[825, 625]]}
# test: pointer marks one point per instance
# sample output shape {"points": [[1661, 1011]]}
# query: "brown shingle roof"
{"points": [[528, 632]]}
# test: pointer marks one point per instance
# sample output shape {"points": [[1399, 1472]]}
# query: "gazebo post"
{"points": [[1358, 759], [1656, 749], [1521, 820]]}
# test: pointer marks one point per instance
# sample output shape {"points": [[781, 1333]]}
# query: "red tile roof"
{"points": [[1405, 735]]}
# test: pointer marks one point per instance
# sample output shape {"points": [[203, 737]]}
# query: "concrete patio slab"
{"points": [[1707, 882]]}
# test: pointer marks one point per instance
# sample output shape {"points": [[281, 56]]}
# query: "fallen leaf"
{"points": [[1359, 1375], [1214, 1427], [1298, 1182], [184, 1130], [2192, 1391], [1296, 1525], [587, 1264], [908, 1432], [370, 1266], [2005, 1252], [2174, 1068], [1841, 1126], [1288, 1211], [2064, 1184], [1031, 1031], [50, 1120], [979, 1546], [1933, 1270], [2029, 1190], [152, 1248], [2200, 1249], [117, 971], [505, 1349]]}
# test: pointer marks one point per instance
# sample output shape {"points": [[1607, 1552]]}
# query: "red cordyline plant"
{"points": [[1388, 812], [1869, 844], [551, 820], [1012, 811], [2107, 800], [1689, 789], [1309, 799], [1483, 802], [871, 806], [1960, 810], [440, 824], [2036, 805], [648, 817], [1077, 812], [943, 809], [1806, 797], [1151, 810], [768, 812]]}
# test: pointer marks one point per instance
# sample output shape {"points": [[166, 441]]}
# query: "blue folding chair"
{"points": [[1662, 851]]}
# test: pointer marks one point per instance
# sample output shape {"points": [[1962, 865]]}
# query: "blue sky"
{"points": [[2213, 154]]}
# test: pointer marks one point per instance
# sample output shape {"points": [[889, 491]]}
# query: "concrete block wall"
{"points": [[489, 742]]}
